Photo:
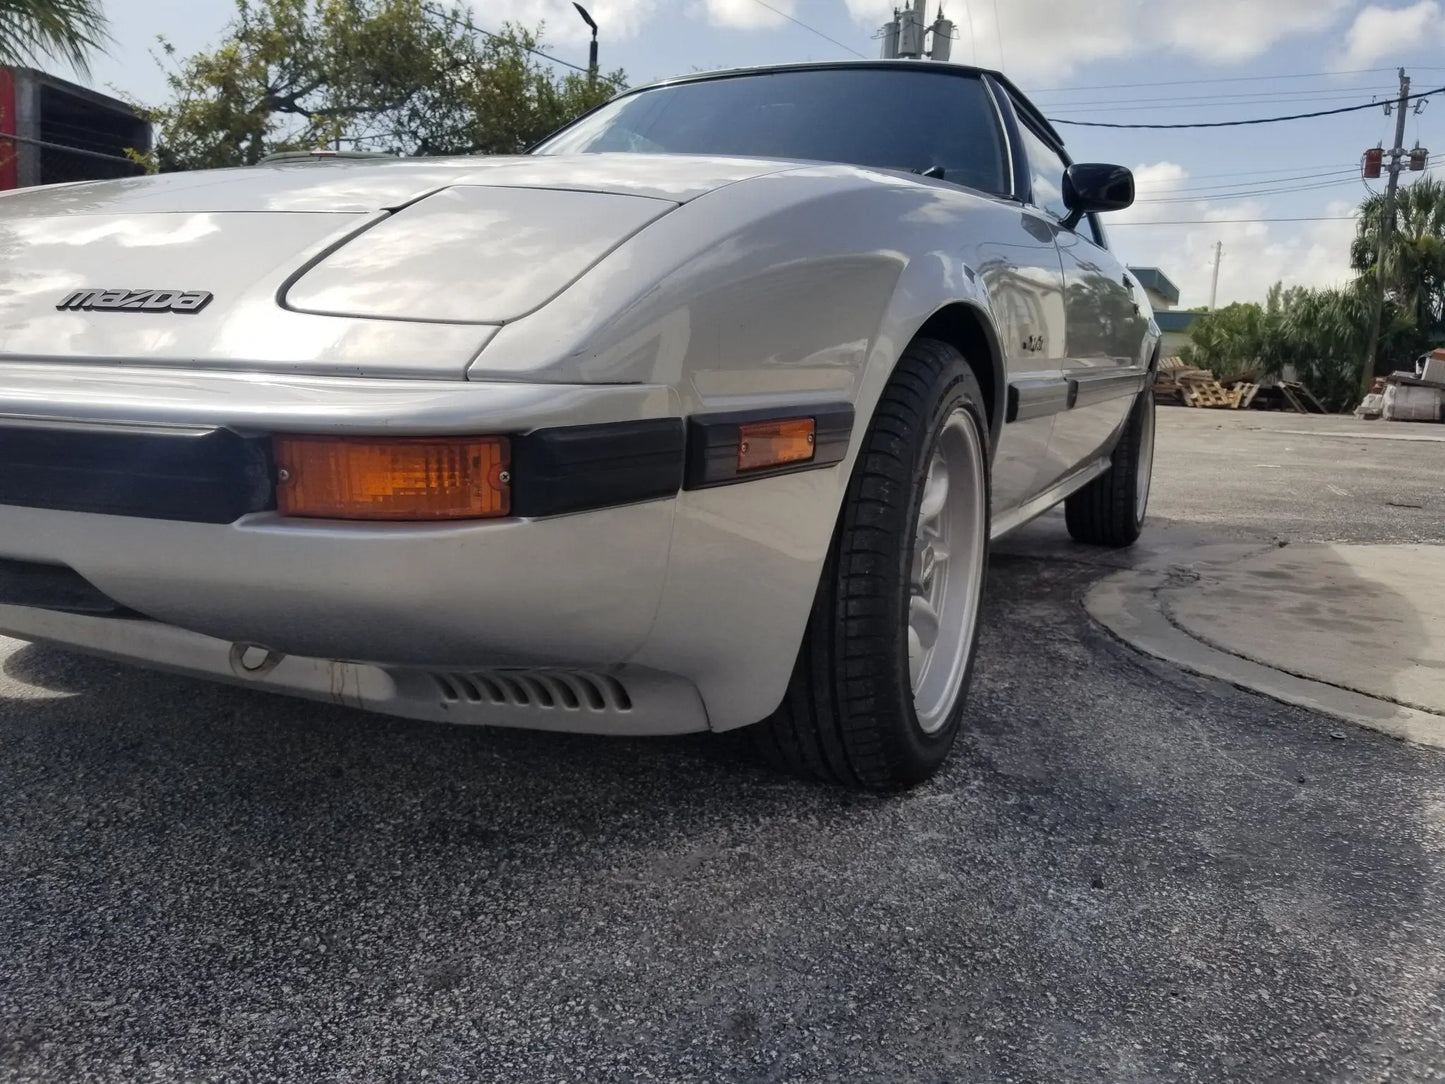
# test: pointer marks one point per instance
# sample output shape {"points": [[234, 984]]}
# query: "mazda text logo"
{"points": [[136, 301]]}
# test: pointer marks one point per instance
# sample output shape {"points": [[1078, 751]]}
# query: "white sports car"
{"points": [[702, 413]]}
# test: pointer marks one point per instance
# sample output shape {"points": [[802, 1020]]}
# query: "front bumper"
{"points": [[625, 700], [698, 592], [560, 591]]}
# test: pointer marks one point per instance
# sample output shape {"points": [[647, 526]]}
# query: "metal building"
{"points": [[52, 130]]}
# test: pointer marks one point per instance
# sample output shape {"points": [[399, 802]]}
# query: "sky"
{"points": [[1120, 61]]}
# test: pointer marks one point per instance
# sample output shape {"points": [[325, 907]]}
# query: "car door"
{"points": [[1025, 284], [1023, 277], [1105, 326]]}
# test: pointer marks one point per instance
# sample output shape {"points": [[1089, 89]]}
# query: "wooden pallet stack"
{"points": [[1175, 379], [1178, 384]]}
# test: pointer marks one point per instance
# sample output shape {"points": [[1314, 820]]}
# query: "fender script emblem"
{"points": [[136, 301]]}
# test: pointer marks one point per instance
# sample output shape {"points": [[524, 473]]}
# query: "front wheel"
{"points": [[878, 689], [1110, 510]]}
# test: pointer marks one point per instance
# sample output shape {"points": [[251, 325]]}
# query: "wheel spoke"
{"points": [[935, 494], [923, 621]]}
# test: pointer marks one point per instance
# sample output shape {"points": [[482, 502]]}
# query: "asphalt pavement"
{"points": [[1125, 873]]}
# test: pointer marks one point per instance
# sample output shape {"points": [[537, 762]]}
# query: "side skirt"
{"points": [[1037, 506]]}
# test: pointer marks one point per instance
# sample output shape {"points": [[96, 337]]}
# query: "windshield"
{"points": [[891, 118]]}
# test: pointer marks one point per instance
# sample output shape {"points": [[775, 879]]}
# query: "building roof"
{"points": [[95, 97], [1177, 321], [1151, 278]]}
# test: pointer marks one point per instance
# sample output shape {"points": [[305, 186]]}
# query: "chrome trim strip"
{"points": [[1094, 388], [1038, 397]]}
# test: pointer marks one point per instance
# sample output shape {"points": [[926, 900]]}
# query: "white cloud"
{"points": [[1032, 39], [1228, 31], [1381, 33], [1256, 254], [746, 14]]}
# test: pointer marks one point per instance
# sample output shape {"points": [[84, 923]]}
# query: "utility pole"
{"points": [[1214, 286], [903, 36], [1387, 229]]}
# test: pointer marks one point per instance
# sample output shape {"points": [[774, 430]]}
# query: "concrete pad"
{"points": [[1355, 631]]}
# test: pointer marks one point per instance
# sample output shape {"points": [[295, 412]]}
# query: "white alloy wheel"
{"points": [[949, 546]]}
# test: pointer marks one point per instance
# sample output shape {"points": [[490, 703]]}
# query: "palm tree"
{"points": [[1414, 266], [67, 29]]}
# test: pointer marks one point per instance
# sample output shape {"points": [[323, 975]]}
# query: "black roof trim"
{"points": [[1025, 106]]}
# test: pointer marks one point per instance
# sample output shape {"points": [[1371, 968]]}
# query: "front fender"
{"points": [[791, 289]]}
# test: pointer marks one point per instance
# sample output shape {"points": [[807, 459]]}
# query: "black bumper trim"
{"points": [[195, 475], [218, 476], [1038, 398], [577, 468], [712, 443]]}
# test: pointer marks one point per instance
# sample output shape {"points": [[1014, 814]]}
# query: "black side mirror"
{"points": [[1091, 187]]}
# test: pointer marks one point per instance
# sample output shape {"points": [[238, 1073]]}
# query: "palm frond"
{"points": [[68, 30]]}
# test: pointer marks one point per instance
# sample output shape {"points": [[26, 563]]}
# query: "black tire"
{"points": [[1108, 511], [848, 716]]}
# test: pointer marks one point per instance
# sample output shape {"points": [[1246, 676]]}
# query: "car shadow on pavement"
{"points": [[1123, 873]]}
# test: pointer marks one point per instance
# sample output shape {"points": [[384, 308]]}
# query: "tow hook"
{"points": [[253, 660]]}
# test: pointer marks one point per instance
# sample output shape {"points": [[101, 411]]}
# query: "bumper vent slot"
{"points": [[542, 690]]}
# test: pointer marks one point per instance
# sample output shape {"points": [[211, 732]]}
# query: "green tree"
{"points": [[1414, 266], [68, 29], [1229, 341], [1317, 334], [397, 76]]}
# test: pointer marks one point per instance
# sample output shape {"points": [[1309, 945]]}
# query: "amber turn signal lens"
{"points": [[402, 478], [771, 444]]}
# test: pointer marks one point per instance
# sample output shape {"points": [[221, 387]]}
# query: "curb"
{"points": [[1127, 604]]}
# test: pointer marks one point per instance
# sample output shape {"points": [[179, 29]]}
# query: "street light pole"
{"points": [[1214, 286], [592, 52]]}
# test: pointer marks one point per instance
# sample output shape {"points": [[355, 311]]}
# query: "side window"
{"points": [[1046, 173]]}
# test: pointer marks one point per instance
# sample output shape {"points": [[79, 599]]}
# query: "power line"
{"points": [[1223, 100], [1242, 123], [1253, 193], [998, 32], [1351, 174], [1220, 79], [1332, 166], [1252, 96], [811, 29], [1307, 175], [1229, 221], [1253, 92], [46, 145], [1089, 109]]}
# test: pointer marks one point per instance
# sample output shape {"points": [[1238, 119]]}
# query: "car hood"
{"points": [[391, 268], [356, 186]]}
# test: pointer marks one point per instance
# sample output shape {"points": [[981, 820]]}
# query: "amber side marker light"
{"points": [[773, 444], [398, 478]]}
